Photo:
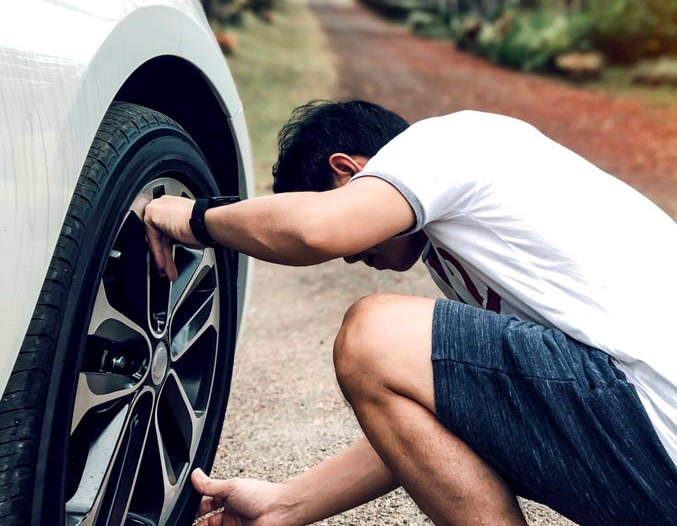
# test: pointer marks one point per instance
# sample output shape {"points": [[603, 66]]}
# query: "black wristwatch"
{"points": [[197, 218]]}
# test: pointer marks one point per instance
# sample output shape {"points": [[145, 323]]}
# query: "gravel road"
{"points": [[286, 412]]}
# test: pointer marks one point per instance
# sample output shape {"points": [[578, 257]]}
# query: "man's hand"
{"points": [[166, 219], [247, 502], [353, 477]]}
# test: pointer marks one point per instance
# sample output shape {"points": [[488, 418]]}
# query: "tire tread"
{"points": [[22, 403]]}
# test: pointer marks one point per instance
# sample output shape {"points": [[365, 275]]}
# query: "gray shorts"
{"points": [[554, 417]]}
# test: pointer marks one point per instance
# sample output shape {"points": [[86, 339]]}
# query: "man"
{"points": [[553, 373]]}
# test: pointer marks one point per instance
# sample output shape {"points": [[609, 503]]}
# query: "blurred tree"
{"points": [[628, 30], [530, 4], [210, 11], [229, 12]]}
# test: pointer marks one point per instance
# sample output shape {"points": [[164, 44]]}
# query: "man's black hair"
{"points": [[320, 128]]}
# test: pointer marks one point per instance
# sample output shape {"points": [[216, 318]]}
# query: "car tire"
{"points": [[115, 357]]}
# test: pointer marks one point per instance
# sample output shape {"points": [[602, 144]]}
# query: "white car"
{"points": [[115, 380]]}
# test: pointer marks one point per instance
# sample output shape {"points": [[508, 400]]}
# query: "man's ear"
{"points": [[344, 167]]}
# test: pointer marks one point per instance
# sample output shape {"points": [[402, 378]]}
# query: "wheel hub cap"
{"points": [[160, 363]]}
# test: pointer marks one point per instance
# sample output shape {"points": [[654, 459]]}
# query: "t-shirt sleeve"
{"points": [[436, 164]]}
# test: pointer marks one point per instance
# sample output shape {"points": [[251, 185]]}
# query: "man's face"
{"points": [[397, 254]]}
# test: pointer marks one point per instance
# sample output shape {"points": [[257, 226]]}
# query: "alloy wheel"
{"points": [[145, 380]]}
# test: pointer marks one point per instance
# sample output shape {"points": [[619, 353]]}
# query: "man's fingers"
{"points": [[209, 486], [209, 504], [161, 249], [206, 505], [158, 243], [216, 520], [167, 219], [154, 237], [167, 255]]}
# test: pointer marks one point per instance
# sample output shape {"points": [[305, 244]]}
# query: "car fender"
{"points": [[54, 92]]}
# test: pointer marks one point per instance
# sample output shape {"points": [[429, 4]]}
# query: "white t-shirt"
{"points": [[521, 225]]}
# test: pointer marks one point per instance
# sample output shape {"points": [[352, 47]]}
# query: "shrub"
{"points": [[536, 40], [533, 41], [623, 30], [627, 30], [427, 24]]}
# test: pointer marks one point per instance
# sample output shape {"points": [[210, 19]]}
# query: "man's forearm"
{"points": [[305, 228], [277, 228], [353, 477]]}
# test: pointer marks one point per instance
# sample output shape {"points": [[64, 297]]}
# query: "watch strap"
{"points": [[197, 217]]}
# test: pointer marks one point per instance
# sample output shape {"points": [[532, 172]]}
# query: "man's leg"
{"points": [[383, 363]]}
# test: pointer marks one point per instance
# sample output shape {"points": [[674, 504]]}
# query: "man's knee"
{"points": [[384, 347], [358, 348]]}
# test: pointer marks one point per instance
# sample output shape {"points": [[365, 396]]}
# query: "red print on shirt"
{"points": [[493, 302]]}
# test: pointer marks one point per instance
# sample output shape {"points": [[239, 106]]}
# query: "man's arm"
{"points": [[298, 228], [340, 483], [353, 477]]}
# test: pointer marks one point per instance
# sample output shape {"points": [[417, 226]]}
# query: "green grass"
{"points": [[616, 80], [277, 67]]}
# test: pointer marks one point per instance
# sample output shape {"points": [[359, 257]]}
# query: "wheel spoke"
{"points": [[178, 424], [172, 481], [104, 311], [168, 457], [122, 477], [125, 273], [139, 204], [149, 498], [115, 362], [193, 266], [97, 390], [204, 317], [83, 506], [158, 295], [194, 423], [195, 368], [111, 467]]}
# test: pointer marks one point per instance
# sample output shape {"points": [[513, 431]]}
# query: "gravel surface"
{"points": [[286, 412]]}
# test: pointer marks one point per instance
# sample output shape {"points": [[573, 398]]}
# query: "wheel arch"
{"points": [[176, 88]]}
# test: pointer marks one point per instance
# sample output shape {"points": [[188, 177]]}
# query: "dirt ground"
{"points": [[286, 412]]}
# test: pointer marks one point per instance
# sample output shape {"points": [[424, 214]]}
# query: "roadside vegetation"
{"points": [[629, 45], [279, 60]]}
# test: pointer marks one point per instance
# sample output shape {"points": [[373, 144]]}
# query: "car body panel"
{"points": [[54, 90], [246, 170]]}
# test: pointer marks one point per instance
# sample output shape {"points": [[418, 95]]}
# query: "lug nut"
{"points": [[119, 362]]}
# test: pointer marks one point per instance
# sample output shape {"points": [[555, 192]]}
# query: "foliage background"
{"points": [[276, 67], [530, 34]]}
